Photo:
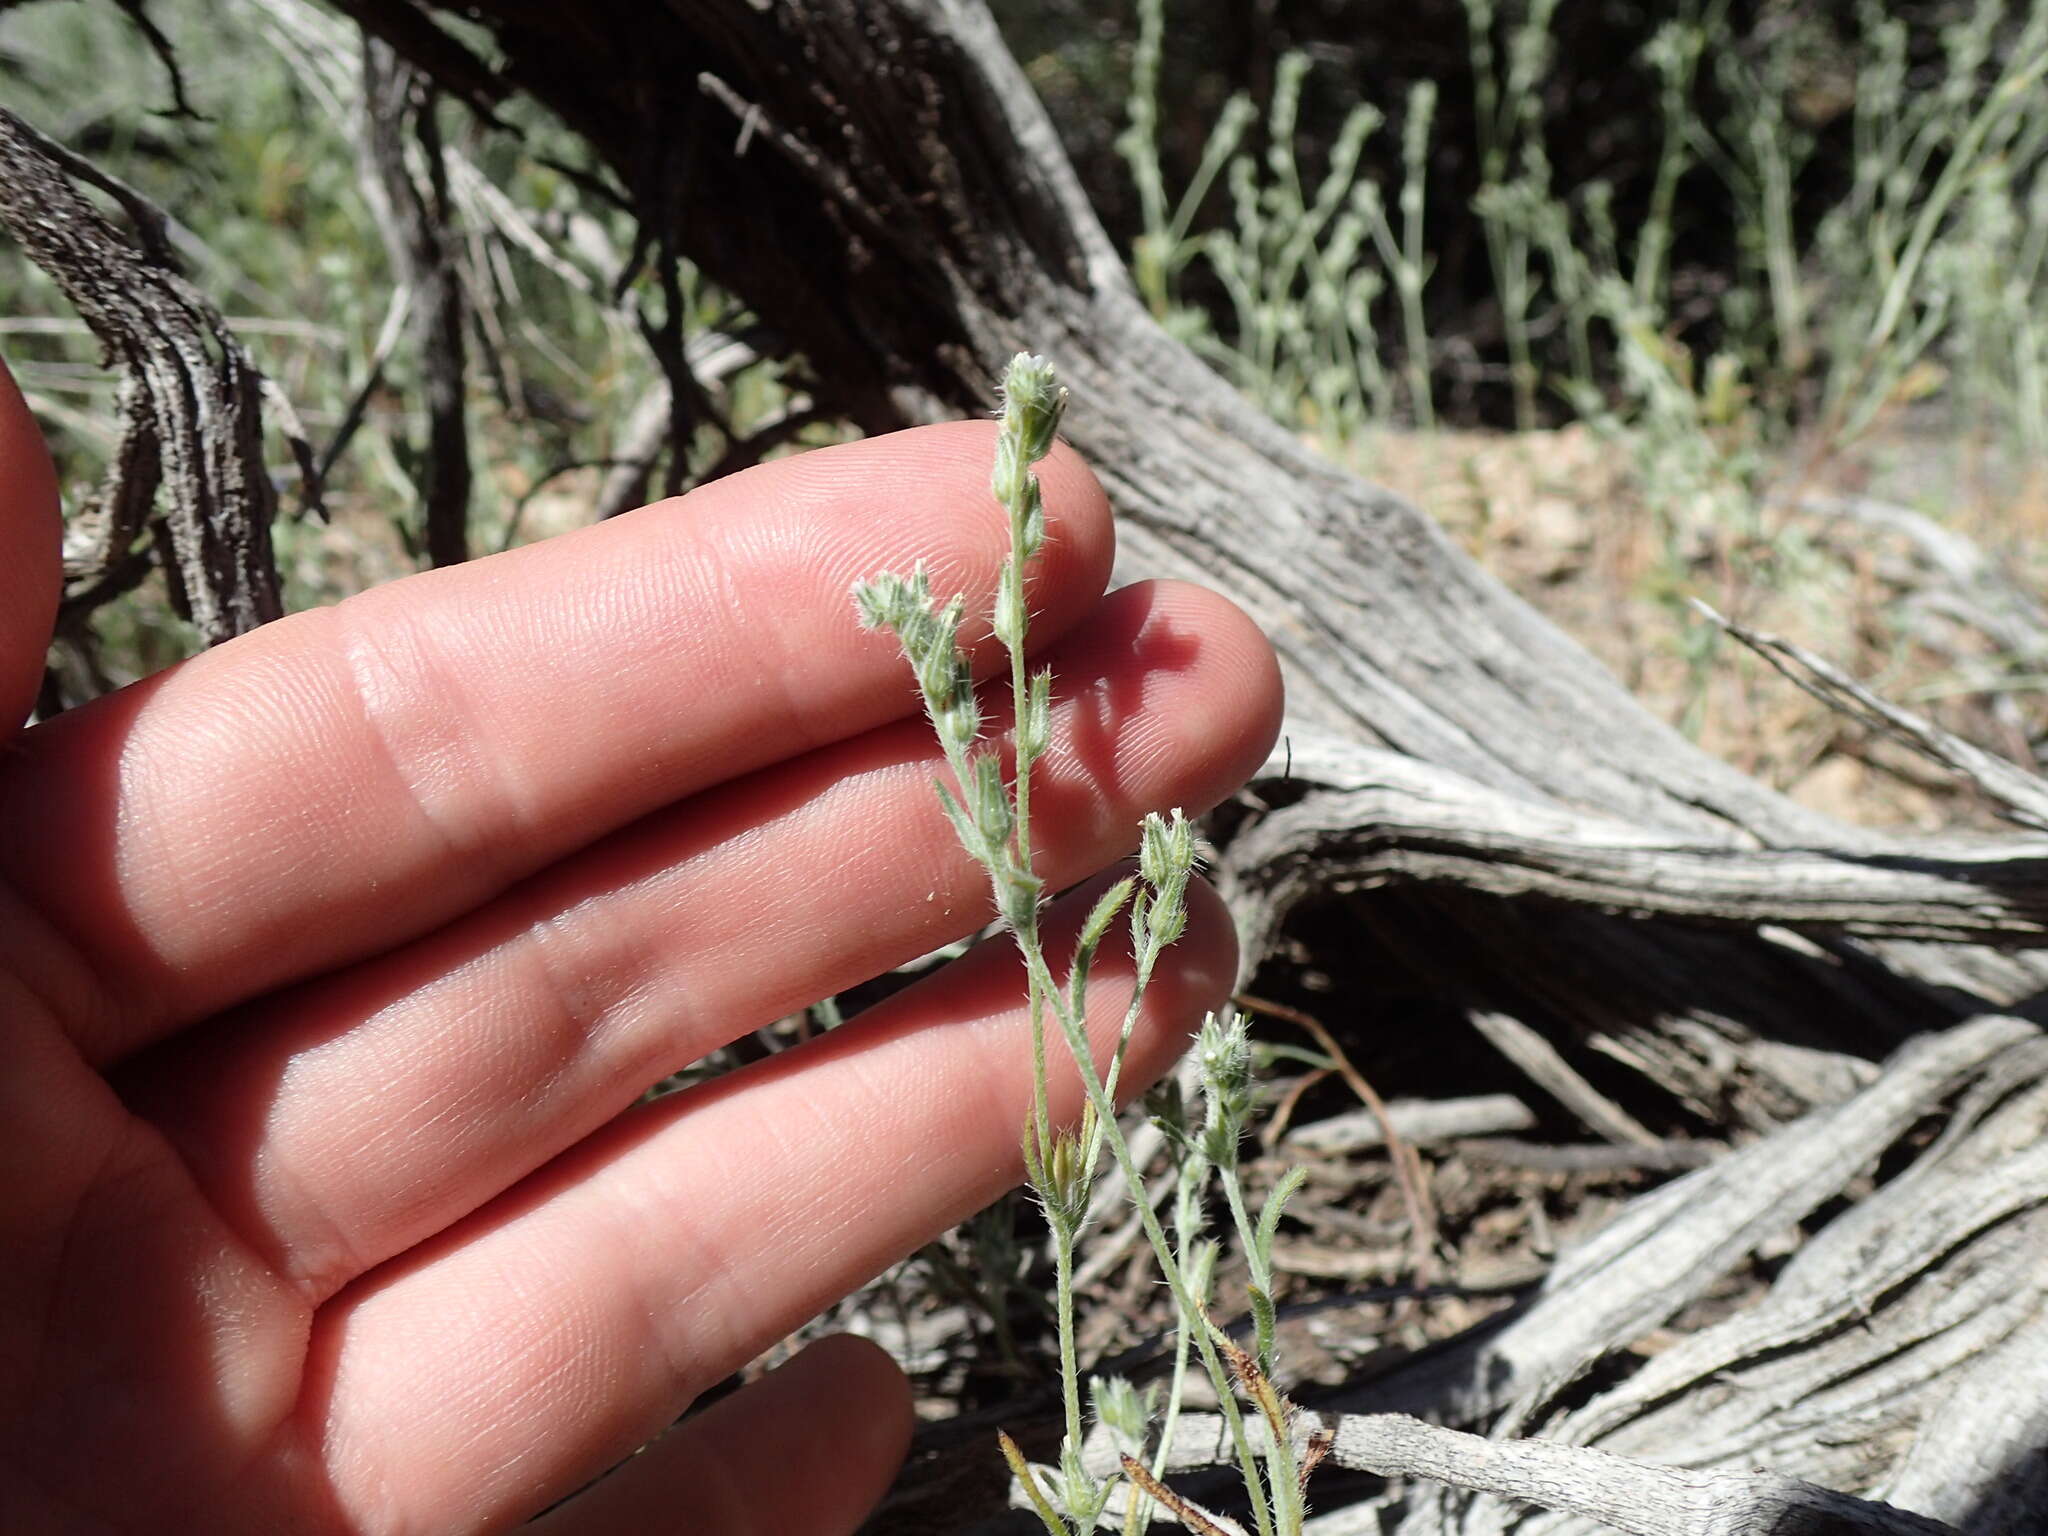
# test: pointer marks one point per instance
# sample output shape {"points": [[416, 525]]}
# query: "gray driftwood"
{"points": [[1421, 1122], [1623, 1495]]}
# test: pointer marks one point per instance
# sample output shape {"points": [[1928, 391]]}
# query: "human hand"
{"points": [[333, 961]]}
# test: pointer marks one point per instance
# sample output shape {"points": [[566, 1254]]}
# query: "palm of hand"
{"points": [[333, 962]]}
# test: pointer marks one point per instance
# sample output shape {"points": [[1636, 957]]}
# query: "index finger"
{"points": [[349, 778]]}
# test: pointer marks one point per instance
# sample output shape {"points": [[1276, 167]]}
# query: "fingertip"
{"points": [[840, 1410], [1078, 506], [1210, 949], [1168, 696], [947, 467], [1244, 696], [878, 1406]]}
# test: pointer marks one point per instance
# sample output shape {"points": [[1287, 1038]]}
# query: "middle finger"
{"points": [[344, 1121]]}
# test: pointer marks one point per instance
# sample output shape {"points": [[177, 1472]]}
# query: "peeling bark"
{"points": [[191, 402]]}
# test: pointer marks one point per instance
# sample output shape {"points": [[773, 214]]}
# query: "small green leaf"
{"points": [[970, 835], [1276, 1202], [1104, 912], [992, 813], [1263, 1324], [1034, 731]]}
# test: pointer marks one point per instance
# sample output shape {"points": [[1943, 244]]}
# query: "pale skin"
{"points": [[333, 962]]}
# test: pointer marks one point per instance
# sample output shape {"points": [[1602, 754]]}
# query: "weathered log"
{"points": [[879, 183], [1898, 1354], [1622, 1495], [1379, 817]]}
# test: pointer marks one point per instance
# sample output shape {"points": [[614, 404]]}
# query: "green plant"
{"points": [[1302, 335], [1942, 235], [992, 816], [1164, 246], [1509, 112]]}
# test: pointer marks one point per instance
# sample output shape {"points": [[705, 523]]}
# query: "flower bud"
{"points": [[1034, 730], [1010, 618], [1223, 1055], [1166, 849], [1123, 1410], [1033, 402], [991, 799]]}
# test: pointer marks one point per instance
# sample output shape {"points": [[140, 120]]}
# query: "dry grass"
{"points": [[1560, 516]]}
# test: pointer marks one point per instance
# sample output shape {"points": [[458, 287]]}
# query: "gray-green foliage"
{"points": [[1939, 246], [1929, 275], [1301, 335], [1926, 281]]}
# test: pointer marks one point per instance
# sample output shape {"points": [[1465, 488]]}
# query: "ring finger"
{"points": [[577, 1315]]}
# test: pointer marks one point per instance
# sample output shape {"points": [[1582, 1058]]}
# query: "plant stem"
{"points": [[1070, 1369], [1190, 1306]]}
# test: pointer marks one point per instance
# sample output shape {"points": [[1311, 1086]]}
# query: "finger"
{"points": [[484, 1050], [345, 779], [31, 531], [806, 1451], [576, 1314]]}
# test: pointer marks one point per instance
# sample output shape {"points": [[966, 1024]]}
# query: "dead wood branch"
{"points": [[1592, 1157], [1389, 819], [191, 406], [2023, 794], [410, 199], [1547, 1068], [1669, 1246], [1634, 1497], [1980, 1458], [1423, 1122]]}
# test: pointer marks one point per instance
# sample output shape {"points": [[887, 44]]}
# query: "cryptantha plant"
{"points": [[991, 812]]}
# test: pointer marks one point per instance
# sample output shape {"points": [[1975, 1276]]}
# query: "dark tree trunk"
{"points": [[412, 210]]}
